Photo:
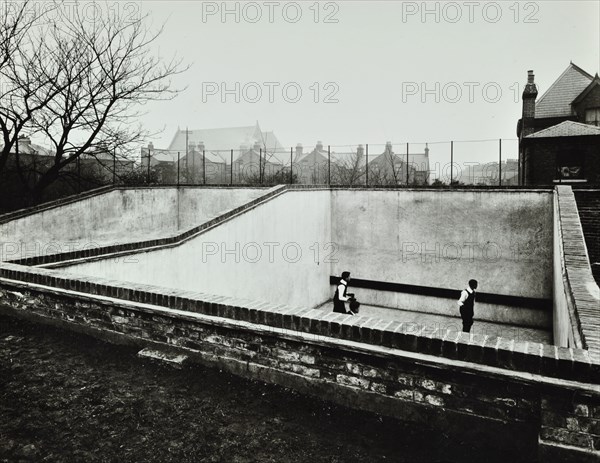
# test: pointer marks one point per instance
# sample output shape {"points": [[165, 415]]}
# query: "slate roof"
{"points": [[567, 129], [316, 156], [556, 102]]}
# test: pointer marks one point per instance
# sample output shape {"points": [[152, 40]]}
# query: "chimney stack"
{"points": [[299, 150], [388, 146], [530, 94], [200, 146], [426, 149], [360, 151], [319, 146]]}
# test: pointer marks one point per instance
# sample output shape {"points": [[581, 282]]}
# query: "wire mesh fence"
{"points": [[434, 164], [452, 163]]}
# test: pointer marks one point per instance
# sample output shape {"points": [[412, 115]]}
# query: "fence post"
{"points": [[260, 173], [231, 169], [78, 173], [187, 168], [291, 165], [114, 166], [366, 164], [148, 176], [451, 162], [329, 165], [407, 165], [178, 158], [500, 162], [204, 167]]}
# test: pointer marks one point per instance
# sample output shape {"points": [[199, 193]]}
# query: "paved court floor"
{"points": [[441, 323]]}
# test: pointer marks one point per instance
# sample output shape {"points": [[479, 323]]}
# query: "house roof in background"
{"points": [[556, 102], [418, 161], [226, 139], [567, 129], [26, 147]]}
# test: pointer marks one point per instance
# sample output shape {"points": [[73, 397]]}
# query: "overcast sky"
{"points": [[368, 71]]}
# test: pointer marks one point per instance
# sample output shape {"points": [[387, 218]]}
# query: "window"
{"points": [[592, 116], [569, 166]]}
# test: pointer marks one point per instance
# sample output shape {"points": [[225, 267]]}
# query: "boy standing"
{"points": [[466, 304]]}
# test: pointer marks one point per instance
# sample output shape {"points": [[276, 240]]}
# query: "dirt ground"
{"points": [[69, 397]]}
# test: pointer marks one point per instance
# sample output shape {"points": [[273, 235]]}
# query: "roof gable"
{"points": [[315, 156], [240, 139], [593, 84], [216, 139], [556, 102]]}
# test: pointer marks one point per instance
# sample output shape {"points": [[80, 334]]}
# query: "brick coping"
{"points": [[168, 240], [579, 278], [507, 354]]}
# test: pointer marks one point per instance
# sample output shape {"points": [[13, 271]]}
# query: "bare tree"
{"points": [[349, 170], [24, 85], [79, 86], [388, 169]]}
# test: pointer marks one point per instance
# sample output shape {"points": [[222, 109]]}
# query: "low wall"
{"points": [[566, 326], [576, 294], [475, 387], [115, 215]]}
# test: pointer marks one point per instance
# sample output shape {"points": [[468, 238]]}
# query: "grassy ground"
{"points": [[68, 397]]}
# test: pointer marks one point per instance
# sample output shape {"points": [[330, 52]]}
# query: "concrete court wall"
{"points": [[120, 215], [275, 252], [444, 238]]}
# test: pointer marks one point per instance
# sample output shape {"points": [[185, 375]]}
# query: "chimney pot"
{"points": [[530, 77]]}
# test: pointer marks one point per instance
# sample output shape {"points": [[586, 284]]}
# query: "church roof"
{"points": [[226, 138]]}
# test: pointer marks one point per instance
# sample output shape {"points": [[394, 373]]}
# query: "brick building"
{"points": [[559, 135]]}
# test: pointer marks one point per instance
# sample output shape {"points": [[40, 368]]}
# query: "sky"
{"points": [[352, 72]]}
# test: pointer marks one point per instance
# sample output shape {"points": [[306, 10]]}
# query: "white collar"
{"points": [[343, 282], [470, 290]]}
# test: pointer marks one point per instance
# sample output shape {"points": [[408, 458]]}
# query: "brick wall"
{"points": [[482, 386], [583, 289], [567, 420], [541, 157]]}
